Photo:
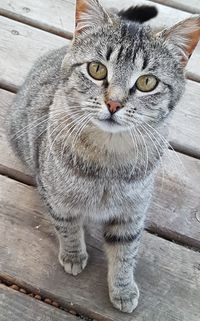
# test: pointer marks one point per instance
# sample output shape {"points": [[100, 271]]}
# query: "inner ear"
{"points": [[183, 36]]}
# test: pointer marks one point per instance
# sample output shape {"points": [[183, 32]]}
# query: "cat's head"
{"points": [[120, 74]]}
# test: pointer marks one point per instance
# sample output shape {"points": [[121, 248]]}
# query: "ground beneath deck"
{"points": [[33, 284]]}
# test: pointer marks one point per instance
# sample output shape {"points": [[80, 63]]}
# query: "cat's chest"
{"points": [[96, 197], [93, 190]]}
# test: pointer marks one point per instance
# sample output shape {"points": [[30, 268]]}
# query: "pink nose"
{"points": [[113, 106]]}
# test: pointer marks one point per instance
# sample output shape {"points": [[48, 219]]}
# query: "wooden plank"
{"points": [[184, 130], [20, 46], [9, 163], [192, 6], [15, 306], [168, 274], [52, 16], [59, 16], [175, 209]]}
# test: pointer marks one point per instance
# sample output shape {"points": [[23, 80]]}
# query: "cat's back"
{"points": [[29, 112]]}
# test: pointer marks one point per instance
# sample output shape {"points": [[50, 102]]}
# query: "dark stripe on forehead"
{"points": [[108, 54], [123, 31], [128, 54], [120, 52], [145, 62], [134, 55]]}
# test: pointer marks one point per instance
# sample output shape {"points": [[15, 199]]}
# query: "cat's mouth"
{"points": [[109, 125], [111, 121]]}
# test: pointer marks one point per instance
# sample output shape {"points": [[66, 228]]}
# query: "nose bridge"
{"points": [[115, 92]]}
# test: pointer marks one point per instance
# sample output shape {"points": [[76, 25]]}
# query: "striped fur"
{"points": [[87, 167]]}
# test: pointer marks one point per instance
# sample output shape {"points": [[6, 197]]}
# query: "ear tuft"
{"points": [[139, 13], [89, 13], [184, 36]]}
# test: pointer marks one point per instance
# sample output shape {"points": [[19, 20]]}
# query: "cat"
{"points": [[91, 122]]}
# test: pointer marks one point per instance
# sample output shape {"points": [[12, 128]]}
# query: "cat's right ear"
{"points": [[183, 37], [89, 13]]}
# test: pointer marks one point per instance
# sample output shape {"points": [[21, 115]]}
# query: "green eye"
{"points": [[146, 83], [97, 71]]}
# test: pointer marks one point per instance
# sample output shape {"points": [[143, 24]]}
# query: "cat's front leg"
{"points": [[72, 254], [121, 244]]}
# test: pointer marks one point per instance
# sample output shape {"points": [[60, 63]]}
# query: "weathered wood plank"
{"points": [[192, 6], [9, 163], [60, 14], [52, 16], [175, 209], [58, 17], [20, 46], [168, 274], [184, 130], [15, 306]]}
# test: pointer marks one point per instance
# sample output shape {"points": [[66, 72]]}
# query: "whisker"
{"points": [[60, 132], [146, 151], [74, 128], [167, 144], [84, 121], [159, 155]]}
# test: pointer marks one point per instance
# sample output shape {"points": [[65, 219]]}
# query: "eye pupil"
{"points": [[97, 68], [147, 80]]}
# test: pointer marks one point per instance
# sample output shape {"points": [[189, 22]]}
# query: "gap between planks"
{"points": [[173, 276], [42, 295], [7, 284], [36, 24]]}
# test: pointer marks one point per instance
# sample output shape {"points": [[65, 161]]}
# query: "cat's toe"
{"points": [[74, 268], [125, 300], [73, 265]]}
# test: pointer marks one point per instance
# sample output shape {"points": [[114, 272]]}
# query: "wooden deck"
{"points": [[168, 271]]}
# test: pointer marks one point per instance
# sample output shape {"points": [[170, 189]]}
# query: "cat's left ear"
{"points": [[183, 36], [89, 13]]}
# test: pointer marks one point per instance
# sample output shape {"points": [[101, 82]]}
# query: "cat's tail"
{"points": [[139, 13]]}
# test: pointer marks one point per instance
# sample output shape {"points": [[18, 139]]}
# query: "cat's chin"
{"points": [[109, 125]]}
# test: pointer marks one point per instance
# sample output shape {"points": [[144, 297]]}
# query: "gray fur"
{"points": [[100, 172]]}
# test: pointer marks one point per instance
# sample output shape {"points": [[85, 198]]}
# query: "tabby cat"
{"points": [[90, 123]]}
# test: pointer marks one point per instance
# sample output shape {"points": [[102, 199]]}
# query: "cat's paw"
{"points": [[73, 264], [125, 299]]}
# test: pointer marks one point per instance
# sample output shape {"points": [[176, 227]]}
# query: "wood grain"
{"points": [[20, 46], [175, 211], [192, 6], [15, 306], [184, 130], [168, 274], [9, 163], [60, 14], [58, 17], [49, 15]]}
